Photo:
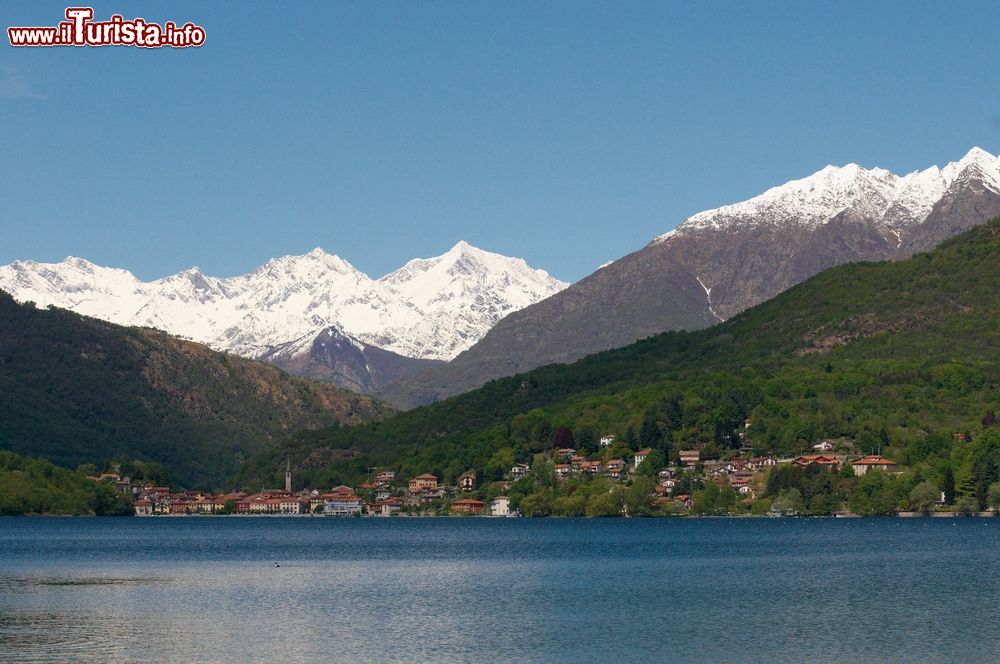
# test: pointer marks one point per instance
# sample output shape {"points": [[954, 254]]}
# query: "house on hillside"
{"points": [[641, 455], [607, 440], [520, 470], [689, 457], [864, 464], [387, 507], [421, 482], [467, 481], [819, 459], [824, 446], [615, 468]]}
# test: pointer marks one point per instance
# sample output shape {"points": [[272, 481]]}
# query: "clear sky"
{"points": [[566, 133]]}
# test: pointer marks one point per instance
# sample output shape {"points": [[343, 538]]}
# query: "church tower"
{"points": [[288, 475]]}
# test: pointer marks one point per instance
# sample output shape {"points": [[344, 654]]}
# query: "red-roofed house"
{"points": [[870, 462], [421, 482], [819, 459], [468, 506]]}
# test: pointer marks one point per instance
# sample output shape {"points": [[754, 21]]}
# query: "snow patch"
{"points": [[708, 296]]}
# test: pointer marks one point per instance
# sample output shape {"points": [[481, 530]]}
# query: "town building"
{"points": [[342, 501], [421, 482], [500, 506], [467, 506]]}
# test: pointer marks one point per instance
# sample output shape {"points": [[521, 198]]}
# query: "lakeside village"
{"points": [[614, 481]]}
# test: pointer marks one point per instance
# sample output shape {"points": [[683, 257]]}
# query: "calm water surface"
{"points": [[482, 590]]}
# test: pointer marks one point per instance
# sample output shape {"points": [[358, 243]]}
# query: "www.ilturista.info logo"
{"points": [[80, 30]]}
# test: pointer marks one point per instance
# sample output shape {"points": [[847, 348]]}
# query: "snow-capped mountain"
{"points": [[883, 199], [429, 309], [719, 262]]}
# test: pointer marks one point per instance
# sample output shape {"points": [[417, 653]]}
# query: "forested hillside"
{"points": [[897, 356], [78, 390]]}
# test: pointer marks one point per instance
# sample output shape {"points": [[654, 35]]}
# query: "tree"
{"points": [[993, 497], [637, 496], [563, 438], [984, 470], [650, 434], [631, 439], [535, 504], [924, 496], [652, 464], [789, 502], [822, 504], [544, 472], [967, 505], [586, 440], [672, 414], [605, 504], [706, 501], [948, 485], [575, 505]]}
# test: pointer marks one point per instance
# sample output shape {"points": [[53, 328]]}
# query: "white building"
{"points": [[500, 506]]}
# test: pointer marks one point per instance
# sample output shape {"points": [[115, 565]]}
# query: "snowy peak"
{"points": [[875, 194], [430, 308]]}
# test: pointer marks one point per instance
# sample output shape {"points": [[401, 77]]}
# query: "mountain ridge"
{"points": [[428, 309], [894, 355], [725, 260]]}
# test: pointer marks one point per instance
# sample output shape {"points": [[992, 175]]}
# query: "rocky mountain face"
{"points": [[335, 357], [723, 261], [428, 310]]}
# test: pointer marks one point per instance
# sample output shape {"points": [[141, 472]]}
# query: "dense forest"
{"points": [[898, 357], [37, 486], [78, 390]]}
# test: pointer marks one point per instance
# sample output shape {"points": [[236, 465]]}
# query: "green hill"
{"points": [[77, 390], [37, 486], [896, 355]]}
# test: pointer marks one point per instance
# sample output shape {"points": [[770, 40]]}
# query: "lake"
{"points": [[487, 590]]}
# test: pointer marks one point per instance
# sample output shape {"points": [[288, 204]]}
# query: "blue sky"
{"points": [[566, 133]]}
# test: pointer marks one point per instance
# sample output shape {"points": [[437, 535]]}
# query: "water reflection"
{"points": [[478, 590]]}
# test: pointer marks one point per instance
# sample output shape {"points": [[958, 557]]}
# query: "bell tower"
{"points": [[288, 474]]}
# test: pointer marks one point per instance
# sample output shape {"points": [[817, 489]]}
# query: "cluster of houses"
{"points": [[422, 490], [384, 496], [745, 473]]}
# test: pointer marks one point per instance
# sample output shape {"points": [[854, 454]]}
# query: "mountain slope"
{"points": [[897, 355], [76, 390], [720, 262], [428, 309], [340, 359]]}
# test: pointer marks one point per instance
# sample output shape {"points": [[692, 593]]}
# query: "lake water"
{"points": [[485, 590]]}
